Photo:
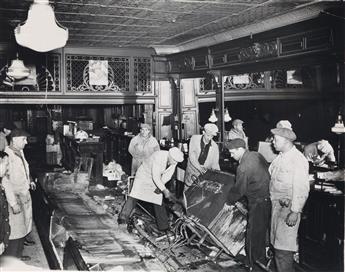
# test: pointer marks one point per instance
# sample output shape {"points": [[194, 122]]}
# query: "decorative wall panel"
{"points": [[142, 75], [79, 74]]}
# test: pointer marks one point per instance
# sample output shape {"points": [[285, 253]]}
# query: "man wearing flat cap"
{"points": [[289, 189], [149, 185], [237, 132], [142, 146], [203, 153], [17, 184], [252, 182]]}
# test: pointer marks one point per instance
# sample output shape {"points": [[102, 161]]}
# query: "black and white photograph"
{"points": [[172, 135]]}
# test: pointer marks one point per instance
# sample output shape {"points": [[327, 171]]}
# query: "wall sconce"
{"points": [[227, 117], [213, 118], [41, 32], [17, 70]]}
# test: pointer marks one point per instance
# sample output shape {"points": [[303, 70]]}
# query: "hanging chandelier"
{"points": [[17, 70], [41, 32]]}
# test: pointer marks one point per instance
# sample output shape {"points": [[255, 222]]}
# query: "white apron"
{"points": [[144, 186], [282, 236], [21, 223]]}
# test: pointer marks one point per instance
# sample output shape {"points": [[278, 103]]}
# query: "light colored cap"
{"points": [[284, 124], [211, 129], [284, 132], [176, 154], [142, 125], [325, 147], [237, 122]]}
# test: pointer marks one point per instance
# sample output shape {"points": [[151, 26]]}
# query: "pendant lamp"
{"points": [[41, 32], [213, 118], [17, 70], [338, 127], [227, 117]]}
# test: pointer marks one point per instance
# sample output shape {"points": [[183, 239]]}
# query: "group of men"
{"points": [[15, 183], [276, 193]]}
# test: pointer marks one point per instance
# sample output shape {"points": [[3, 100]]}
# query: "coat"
{"points": [[4, 221], [16, 185], [3, 141], [237, 134], [193, 166], [152, 174], [141, 148], [289, 180]]}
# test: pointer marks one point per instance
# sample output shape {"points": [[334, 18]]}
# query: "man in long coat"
{"points": [[289, 189], [17, 184], [142, 146], [149, 185]]}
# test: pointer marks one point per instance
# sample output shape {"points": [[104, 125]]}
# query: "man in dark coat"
{"points": [[252, 182]]}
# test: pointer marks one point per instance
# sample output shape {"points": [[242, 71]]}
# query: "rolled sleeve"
{"points": [[157, 175], [300, 187]]}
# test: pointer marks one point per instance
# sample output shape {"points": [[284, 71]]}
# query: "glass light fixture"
{"points": [[338, 127], [17, 70], [227, 117], [41, 32], [213, 118]]}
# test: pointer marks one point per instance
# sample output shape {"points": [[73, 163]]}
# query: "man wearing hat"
{"points": [[252, 182], [142, 146], [17, 184], [5, 131], [203, 153], [149, 185], [320, 153], [289, 189], [237, 131]]}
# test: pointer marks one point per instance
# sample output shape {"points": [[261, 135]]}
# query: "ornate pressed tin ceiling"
{"points": [[166, 25]]}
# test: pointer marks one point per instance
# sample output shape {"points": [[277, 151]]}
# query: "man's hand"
{"points": [[284, 202], [2, 248], [16, 209], [167, 194], [291, 219], [33, 185], [203, 169]]}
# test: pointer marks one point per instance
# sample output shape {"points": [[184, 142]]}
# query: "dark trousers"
{"points": [[259, 212], [284, 260], [159, 210], [15, 247]]}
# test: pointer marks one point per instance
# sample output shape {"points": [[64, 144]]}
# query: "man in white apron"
{"points": [[149, 185], [17, 184], [289, 189], [203, 154]]}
